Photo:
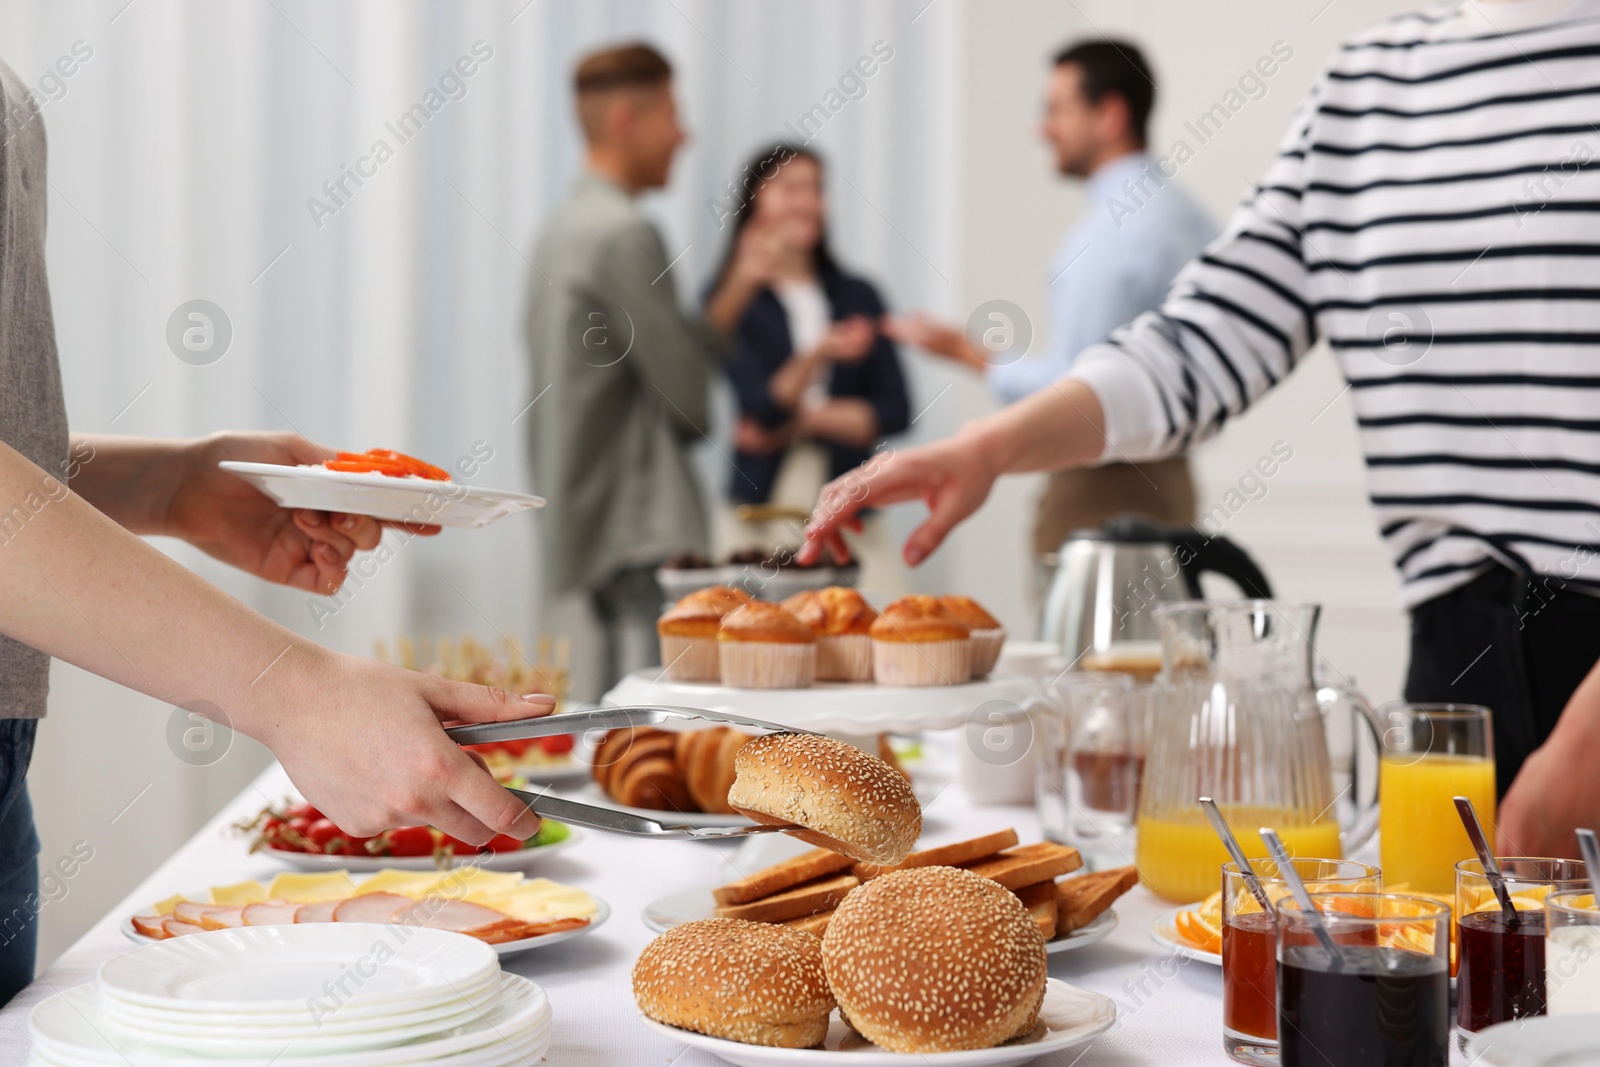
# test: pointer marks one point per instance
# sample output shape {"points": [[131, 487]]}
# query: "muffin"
{"points": [[987, 633], [916, 642], [841, 619], [688, 633], [763, 646]]}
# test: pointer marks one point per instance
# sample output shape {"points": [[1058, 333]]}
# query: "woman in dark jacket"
{"points": [[810, 366]]}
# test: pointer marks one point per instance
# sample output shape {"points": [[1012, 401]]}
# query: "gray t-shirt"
{"points": [[33, 415]]}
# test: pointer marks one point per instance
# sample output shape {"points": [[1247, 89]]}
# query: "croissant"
{"points": [[636, 767], [706, 759], [682, 771]]}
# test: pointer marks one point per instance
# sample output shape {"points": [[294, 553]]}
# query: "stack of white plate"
{"points": [[351, 995]]}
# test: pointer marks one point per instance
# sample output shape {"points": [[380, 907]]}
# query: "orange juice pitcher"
{"points": [[1239, 720]]}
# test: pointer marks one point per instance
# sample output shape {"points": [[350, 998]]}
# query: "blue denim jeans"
{"points": [[19, 860]]}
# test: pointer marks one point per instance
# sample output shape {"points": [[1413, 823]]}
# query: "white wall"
{"points": [[187, 148]]}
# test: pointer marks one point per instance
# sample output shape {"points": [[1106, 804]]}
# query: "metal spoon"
{"points": [[1491, 869], [1298, 888], [1231, 843], [1591, 860]]}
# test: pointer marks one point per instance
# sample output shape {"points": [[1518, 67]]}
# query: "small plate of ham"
{"points": [[502, 909]]}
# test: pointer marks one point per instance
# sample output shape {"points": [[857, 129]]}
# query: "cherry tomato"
{"points": [[303, 811], [355, 846], [271, 830], [322, 833], [411, 841], [503, 843], [557, 744], [459, 848]]}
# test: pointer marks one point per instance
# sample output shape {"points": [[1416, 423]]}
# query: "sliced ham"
{"points": [[189, 911], [177, 928], [222, 916], [150, 925], [270, 913], [371, 908], [460, 916], [320, 912]]}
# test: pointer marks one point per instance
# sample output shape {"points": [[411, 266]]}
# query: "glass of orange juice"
{"points": [[1431, 754]]}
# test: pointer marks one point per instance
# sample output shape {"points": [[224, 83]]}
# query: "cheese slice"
{"points": [[250, 892], [416, 884], [310, 888], [469, 883], [540, 900], [164, 907]]}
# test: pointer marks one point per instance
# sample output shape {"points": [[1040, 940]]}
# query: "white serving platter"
{"points": [[840, 708], [1069, 1016]]}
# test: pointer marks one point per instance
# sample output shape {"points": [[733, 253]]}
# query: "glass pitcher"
{"points": [[1240, 720]]}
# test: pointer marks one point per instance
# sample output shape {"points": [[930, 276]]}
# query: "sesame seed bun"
{"points": [[760, 620], [918, 619], [757, 983], [845, 799], [935, 959]]}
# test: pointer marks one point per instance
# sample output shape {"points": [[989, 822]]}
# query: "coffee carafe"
{"points": [[1100, 607]]}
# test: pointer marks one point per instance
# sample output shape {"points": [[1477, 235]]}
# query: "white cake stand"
{"points": [[842, 709]]}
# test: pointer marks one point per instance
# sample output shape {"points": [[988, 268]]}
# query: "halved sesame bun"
{"points": [[966, 610], [844, 799], [835, 610], [935, 959], [760, 620], [918, 619], [758, 983]]}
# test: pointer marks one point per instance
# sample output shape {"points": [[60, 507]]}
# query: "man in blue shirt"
{"points": [[1137, 230]]}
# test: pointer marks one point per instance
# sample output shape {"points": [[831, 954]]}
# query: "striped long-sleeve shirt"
{"points": [[1434, 214]]}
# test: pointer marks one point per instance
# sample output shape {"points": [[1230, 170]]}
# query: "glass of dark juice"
{"points": [[1501, 970], [1250, 948], [1381, 998]]}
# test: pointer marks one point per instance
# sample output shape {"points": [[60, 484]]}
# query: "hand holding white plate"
{"points": [[382, 496]]}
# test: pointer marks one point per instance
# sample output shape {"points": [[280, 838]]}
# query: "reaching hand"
{"points": [[919, 331], [953, 478], [848, 340], [228, 518], [362, 741]]}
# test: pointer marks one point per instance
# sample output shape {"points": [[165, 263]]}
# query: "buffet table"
{"points": [[1169, 1008]]}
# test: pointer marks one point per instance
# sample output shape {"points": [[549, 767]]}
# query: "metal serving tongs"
{"points": [[610, 820]]}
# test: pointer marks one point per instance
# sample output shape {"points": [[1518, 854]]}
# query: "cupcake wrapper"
{"points": [[767, 664], [986, 645], [844, 658], [925, 663], [690, 659]]}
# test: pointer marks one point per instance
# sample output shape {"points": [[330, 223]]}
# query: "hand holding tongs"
{"points": [[610, 820]]}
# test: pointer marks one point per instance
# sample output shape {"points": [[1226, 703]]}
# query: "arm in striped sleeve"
{"points": [[1235, 322]]}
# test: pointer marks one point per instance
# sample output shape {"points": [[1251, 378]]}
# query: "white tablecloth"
{"points": [[1169, 1009]]}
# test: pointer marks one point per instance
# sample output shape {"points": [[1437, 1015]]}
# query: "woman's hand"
{"points": [[935, 338], [953, 477], [848, 340], [1556, 791], [363, 742], [229, 519], [754, 439]]}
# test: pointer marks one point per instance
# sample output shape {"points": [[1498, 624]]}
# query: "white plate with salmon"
{"points": [[510, 913]]}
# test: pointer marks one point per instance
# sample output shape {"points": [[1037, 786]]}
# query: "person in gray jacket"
{"points": [[626, 369]]}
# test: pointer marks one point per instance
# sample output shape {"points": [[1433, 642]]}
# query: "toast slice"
{"points": [[818, 863], [796, 903], [1040, 900], [953, 855], [1080, 900], [812, 924], [1027, 864]]}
